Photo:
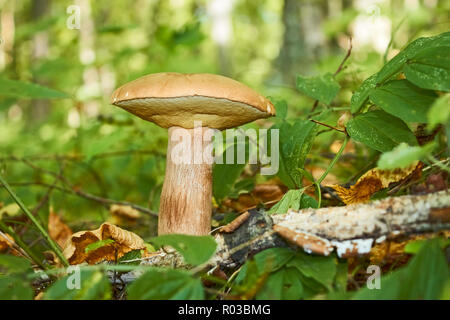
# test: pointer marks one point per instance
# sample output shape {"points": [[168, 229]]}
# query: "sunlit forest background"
{"points": [[73, 149]]}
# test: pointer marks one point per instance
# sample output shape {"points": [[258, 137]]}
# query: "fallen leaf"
{"points": [[374, 180], [5, 241], [11, 210], [124, 241], [262, 193], [58, 230], [124, 211]]}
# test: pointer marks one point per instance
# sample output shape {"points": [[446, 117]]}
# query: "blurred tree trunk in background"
{"points": [[39, 10], [303, 39], [222, 30], [7, 29], [91, 87]]}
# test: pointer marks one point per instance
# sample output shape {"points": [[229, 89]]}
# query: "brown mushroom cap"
{"points": [[176, 99]]}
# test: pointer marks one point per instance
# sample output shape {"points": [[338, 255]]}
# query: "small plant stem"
{"points": [[438, 163], [333, 162], [33, 219], [319, 194], [328, 126], [29, 253]]}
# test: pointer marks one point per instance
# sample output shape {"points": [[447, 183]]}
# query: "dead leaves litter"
{"points": [[58, 230], [123, 242], [6, 241], [373, 181]]}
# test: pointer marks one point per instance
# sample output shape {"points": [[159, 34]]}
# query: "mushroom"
{"points": [[181, 101]]}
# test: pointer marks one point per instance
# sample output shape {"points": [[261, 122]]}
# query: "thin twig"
{"points": [[33, 219], [328, 126], [339, 69], [85, 195]]}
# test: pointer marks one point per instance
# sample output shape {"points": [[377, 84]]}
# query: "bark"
{"points": [[185, 205]]}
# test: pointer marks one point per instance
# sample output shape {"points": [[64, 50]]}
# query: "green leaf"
{"points": [[284, 284], [423, 278], [396, 64], [93, 285], [403, 100], [430, 68], [380, 130], [166, 284], [194, 249], [414, 247], [308, 202], [296, 142], [281, 107], [323, 88], [14, 264], [361, 94], [98, 244], [439, 112], [264, 262], [321, 269], [403, 155], [15, 288], [20, 89], [290, 200], [132, 255]]}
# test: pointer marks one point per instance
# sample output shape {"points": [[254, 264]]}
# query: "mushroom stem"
{"points": [[185, 205]]}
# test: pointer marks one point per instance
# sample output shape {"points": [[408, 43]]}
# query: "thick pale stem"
{"points": [[185, 205]]}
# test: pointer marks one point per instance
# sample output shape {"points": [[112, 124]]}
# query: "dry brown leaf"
{"points": [[5, 241], [124, 241], [236, 223], [262, 193], [374, 180], [123, 215], [58, 230], [124, 211]]}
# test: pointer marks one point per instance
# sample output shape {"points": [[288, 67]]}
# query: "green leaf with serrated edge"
{"points": [[403, 100], [323, 88], [15, 288], [403, 155], [361, 94], [430, 69], [439, 112], [14, 264], [166, 284], [129, 256], [80, 284], [380, 130], [194, 249], [20, 89], [321, 269], [422, 279], [396, 64], [290, 200]]}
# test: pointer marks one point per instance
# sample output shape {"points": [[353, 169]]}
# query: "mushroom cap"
{"points": [[175, 99]]}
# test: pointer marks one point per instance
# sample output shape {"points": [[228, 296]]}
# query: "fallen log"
{"points": [[350, 230]]}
